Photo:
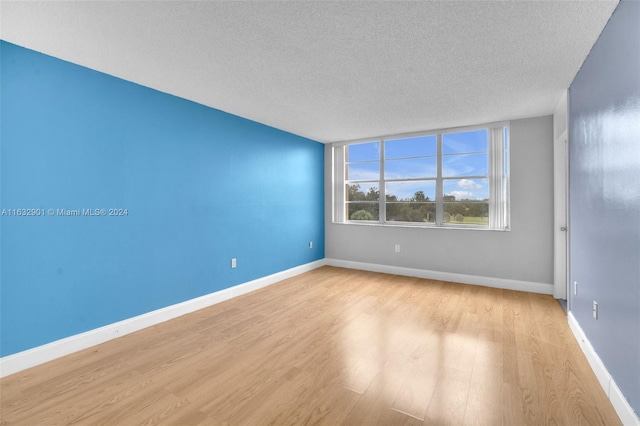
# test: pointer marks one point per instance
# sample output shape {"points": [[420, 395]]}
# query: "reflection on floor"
{"points": [[332, 346]]}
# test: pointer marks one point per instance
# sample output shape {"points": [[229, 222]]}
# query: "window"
{"points": [[447, 179]]}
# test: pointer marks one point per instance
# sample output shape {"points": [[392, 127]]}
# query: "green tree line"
{"points": [[419, 208]]}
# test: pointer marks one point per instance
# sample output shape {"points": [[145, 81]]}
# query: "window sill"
{"points": [[409, 225]]}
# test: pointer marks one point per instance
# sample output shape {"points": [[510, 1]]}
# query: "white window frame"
{"points": [[498, 177]]}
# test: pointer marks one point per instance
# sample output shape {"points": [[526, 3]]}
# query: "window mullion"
{"points": [[439, 184], [382, 210]]}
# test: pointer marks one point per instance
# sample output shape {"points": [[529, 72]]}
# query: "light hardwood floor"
{"points": [[332, 346]]}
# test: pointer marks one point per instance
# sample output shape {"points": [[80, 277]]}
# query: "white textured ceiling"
{"points": [[330, 71]]}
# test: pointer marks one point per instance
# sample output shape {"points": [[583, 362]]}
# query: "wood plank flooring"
{"points": [[332, 346]]}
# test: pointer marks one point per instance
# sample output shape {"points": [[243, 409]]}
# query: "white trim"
{"points": [[560, 221], [22, 360], [615, 395], [418, 225], [439, 183], [529, 286], [594, 360], [560, 198]]}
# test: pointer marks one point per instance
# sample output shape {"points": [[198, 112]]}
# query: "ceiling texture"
{"points": [[329, 71]]}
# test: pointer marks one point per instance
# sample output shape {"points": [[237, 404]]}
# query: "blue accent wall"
{"points": [[201, 186], [604, 196]]}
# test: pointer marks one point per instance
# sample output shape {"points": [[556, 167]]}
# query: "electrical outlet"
{"points": [[575, 288], [397, 248], [310, 244], [234, 263], [595, 310]]}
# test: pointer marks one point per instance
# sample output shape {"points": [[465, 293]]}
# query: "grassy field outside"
{"points": [[470, 220]]}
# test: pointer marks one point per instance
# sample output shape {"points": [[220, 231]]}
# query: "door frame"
{"points": [[560, 219], [561, 199]]}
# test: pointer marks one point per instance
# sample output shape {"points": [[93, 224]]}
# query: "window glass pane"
{"points": [[363, 171], [412, 177], [411, 212], [362, 192], [466, 189], [411, 191], [411, 147], [363, 211], [465, 165], [363, 152], [474, 141], [411, 168], [466, 213]]}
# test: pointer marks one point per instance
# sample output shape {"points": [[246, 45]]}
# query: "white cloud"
{"points": [[406, 190], [362, 174], [462, 195], [468, 184]]}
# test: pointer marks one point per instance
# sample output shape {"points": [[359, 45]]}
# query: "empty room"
{"points": [[320, 212]]}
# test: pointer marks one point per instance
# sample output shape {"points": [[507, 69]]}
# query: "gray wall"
{"points": [[524, 254], [604, 192]]}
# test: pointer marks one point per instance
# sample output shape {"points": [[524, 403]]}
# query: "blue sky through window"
{"points": [[411, 147], [364, 152], [364, 171], [458, 143], [465, 165], [426, 167], [464, 156]]}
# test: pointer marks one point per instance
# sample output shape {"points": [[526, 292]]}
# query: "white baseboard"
{"points": [[529, 286], [615, 395], [22, 360]]}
